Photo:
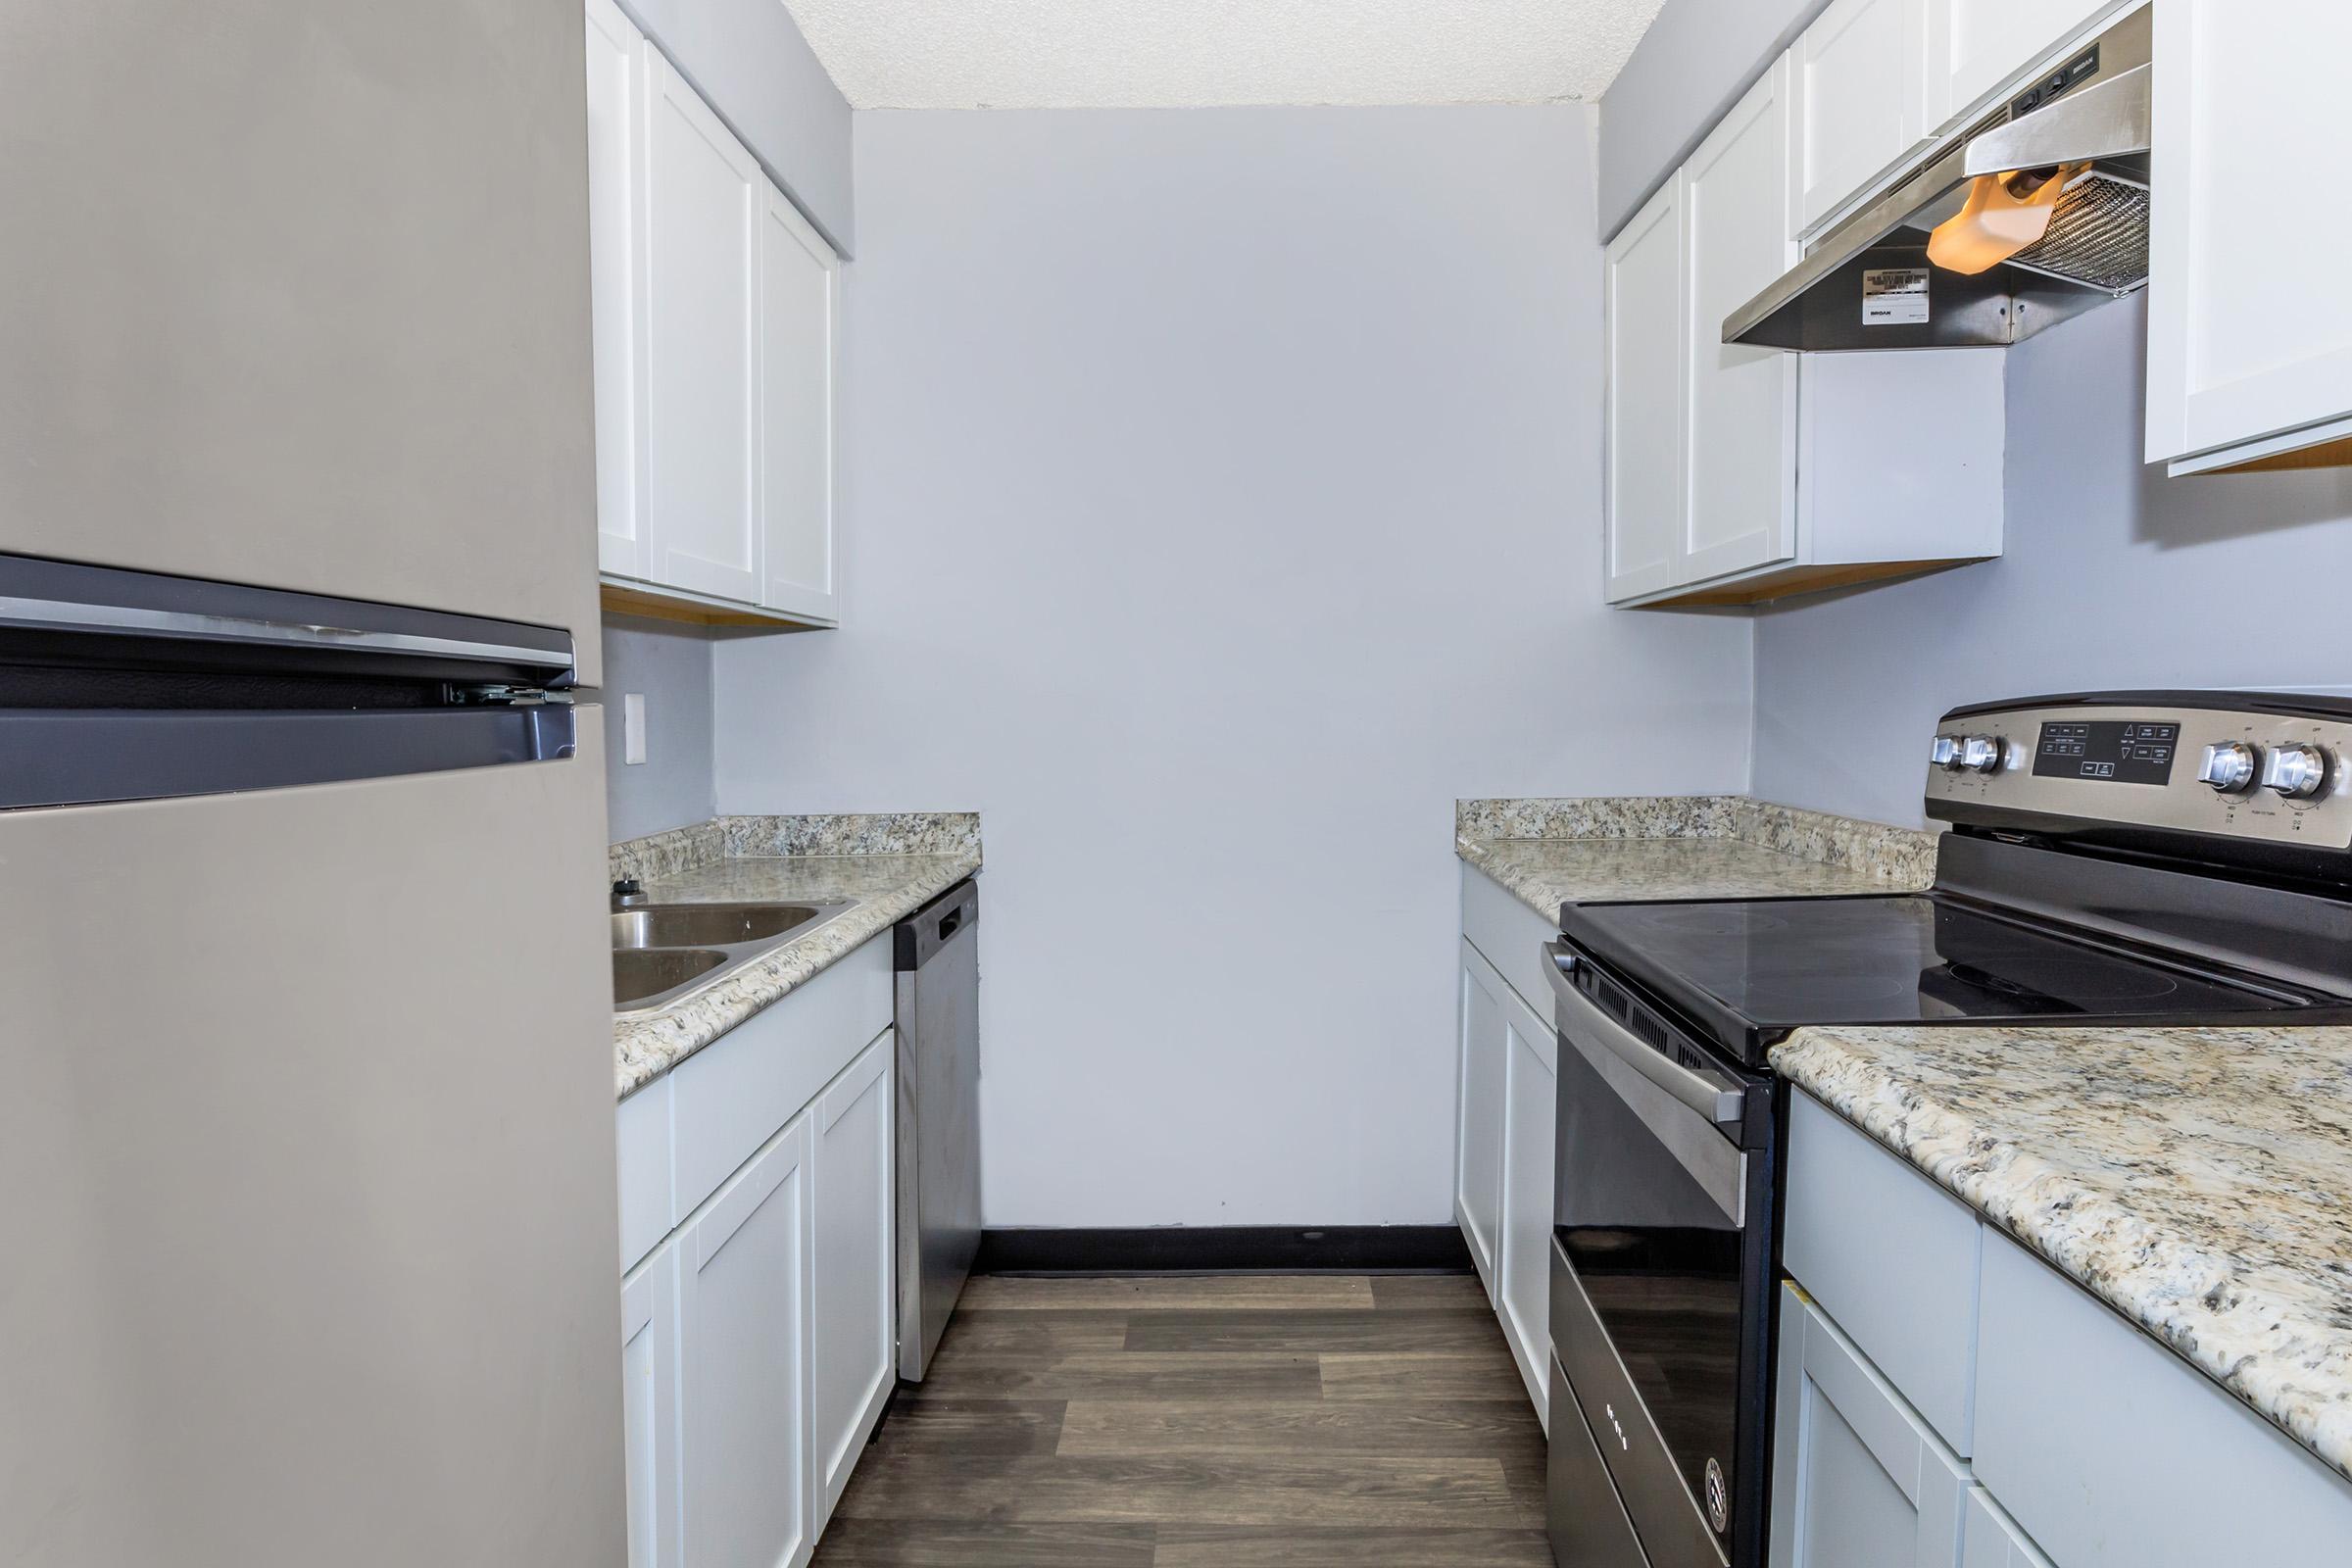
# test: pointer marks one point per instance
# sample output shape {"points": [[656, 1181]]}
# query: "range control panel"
{"points": [[2267, 772]]}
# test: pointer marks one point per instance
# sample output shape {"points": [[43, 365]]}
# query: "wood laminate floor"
{"points": [[1238, 1422]]}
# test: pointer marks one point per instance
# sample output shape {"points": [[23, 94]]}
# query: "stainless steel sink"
{"points": [[640, 974], [707, 925], [661, 952]]}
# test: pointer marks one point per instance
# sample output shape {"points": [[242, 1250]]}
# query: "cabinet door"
{"points": [[799, 314], [1738, 454], [854, 1319], [1482, 1062], [1530, 1088], [648, 1399], [618, 61], [1857, 91], [1858, 1480], [1975, 45], [1642, 501], [744, 1357], [2236, 354], [1990, 1538], [705, 199]]}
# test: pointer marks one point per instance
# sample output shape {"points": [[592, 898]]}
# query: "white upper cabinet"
{"points": [[1975, 45], [1737, 475], [1644, 463], [799, 310], [1739, 449], [2244, 364], [617, 64], [705, 199], [715, 314], [1857, 96]]}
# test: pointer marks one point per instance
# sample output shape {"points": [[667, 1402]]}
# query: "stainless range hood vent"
{"points": [[2092, 108]]}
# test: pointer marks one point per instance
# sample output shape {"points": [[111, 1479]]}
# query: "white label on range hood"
{"points": [[1894, 296]]}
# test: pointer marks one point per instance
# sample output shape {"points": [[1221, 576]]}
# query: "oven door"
{"points": [[1660, 1244]]}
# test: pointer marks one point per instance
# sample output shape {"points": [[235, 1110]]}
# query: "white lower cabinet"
{"points": [[744, 1358], [855, 1365], [1482, 1065], [1530, 1090], [1859, 1480], [649, 1367], [1506, 1078], [759, 1334]]}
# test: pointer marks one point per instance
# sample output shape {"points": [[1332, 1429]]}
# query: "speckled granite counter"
{"points": [[2199, 1181], [1551, 853], [891, 864]]}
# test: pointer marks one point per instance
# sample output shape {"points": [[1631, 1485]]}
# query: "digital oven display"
{"points": [[2126, 752]]}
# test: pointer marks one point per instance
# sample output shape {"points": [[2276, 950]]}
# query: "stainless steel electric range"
{"points": [[2127, 857]]}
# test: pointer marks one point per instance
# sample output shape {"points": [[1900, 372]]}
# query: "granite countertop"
{"points": [[1554, 852], [2198, 1181], [891, 865]]}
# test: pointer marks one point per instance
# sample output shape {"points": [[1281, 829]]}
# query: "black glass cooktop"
{"points": [[1746, 971]]}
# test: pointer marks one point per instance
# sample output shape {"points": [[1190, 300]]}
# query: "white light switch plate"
{"points": [[632, 727]]}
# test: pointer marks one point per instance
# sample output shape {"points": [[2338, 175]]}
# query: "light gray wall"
{"points": [[2113, 575], [748, 59], [671, 665], [1223, 497], [1693, 64]]}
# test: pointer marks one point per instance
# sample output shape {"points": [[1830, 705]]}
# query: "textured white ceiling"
{"points": [[1088, 54]]}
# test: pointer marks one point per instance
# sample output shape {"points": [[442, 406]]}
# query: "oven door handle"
{"points": [[1724, 1106]]}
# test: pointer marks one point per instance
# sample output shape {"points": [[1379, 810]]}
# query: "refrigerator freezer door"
{"points": [[298, 296], [306, 1148]]}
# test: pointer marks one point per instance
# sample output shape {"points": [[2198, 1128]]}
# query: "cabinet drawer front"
{"points": [[2112, 1452], [733, 1094], [1888, 1256], [648, 1196], [1509, 935]]}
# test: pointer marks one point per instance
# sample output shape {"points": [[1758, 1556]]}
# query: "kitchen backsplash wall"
{"points": [[1223, 495], [671, 665], [2114, 576]]}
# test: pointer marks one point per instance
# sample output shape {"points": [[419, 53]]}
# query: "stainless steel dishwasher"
{"points": [[938, 1116]]}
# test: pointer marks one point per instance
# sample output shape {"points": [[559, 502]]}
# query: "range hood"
{"points": [[1867, 282]]}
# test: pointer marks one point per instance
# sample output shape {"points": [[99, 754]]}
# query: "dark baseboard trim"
{"points": [[1227, 1250]]}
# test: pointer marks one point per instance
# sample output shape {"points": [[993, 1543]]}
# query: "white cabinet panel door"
{"points": [[1858, 1480], [706, 201], [1481, 1068], [648, 1399], [1990, 1538], [1642, 499], [854, 1316], [1857, 91], [744, 1358], [2236, 352], [618, 61], [1739, 441], [1975, 45], [799, 315], [1529, 1092]]}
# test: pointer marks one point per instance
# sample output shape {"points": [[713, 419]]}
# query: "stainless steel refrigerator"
{"points": [[307, 1205]]}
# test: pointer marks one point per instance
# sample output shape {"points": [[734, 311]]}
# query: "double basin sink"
{"points": [[663, 950]]}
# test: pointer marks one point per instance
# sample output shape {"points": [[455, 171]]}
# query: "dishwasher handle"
{"points": [[947, 918]]}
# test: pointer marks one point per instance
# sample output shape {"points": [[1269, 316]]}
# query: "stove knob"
{"points": [[2229, 768], [1945, 753], [2294, 772], [1980, 753]]}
